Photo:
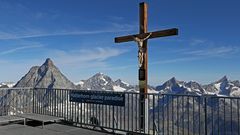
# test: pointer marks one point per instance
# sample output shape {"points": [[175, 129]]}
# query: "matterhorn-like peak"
{"points": [[173, 80], [48, 62], [223, 79]]}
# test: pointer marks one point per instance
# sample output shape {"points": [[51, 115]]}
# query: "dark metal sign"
{"points": [[105, 98]]}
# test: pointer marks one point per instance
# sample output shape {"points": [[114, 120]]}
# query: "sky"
{"points": [[79, 37]]}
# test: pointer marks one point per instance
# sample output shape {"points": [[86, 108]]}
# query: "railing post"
{"points": [[113, 119], [33, 107], [55, 102], [146, 114], [205, 112]]}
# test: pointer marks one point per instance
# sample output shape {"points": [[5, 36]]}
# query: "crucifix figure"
{"points": [[141, 40], [141, 50]]}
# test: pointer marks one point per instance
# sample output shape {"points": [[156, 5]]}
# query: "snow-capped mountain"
{"points": [[222, 87], [236, 83], [121, 83], [7, 84], [218, 86], [101, 81], [173, 86], [195, 87], [79, 83], [98, 81]]}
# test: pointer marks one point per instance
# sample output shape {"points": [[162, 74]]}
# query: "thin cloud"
{"points": [[168, 61], [86, 57], [200, 54], [195, 42], [7, 36], [19, 48], [218, 51], [116, 18], [36, 33]]}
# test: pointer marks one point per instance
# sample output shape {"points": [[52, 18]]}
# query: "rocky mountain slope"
{"points": [[100, 81], [223, 87], [45, 76]]}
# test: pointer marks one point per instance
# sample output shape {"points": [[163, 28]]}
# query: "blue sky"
{"points": [[79, 37]]}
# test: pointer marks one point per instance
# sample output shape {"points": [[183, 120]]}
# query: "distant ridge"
{"points": [[222, 87]]}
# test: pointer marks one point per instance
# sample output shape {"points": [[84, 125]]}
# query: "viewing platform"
{"points": [[40, 111], [49, 129]]}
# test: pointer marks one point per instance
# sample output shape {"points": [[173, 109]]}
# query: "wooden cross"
{"points": [[141, 39]]}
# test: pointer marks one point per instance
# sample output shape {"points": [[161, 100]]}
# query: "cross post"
{"points": [[142, 39]]}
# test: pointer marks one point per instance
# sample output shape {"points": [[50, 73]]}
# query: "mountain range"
{"points": [[222, 87], [49, 76]]}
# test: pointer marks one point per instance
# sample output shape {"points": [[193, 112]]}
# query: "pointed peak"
{"points": [[192, 83], [118, 80], [122, 82], [48, 62], [99, 74], [223, 79], [173, 79]]}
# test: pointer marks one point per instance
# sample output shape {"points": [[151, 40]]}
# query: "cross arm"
{"points": [[155, 34]]}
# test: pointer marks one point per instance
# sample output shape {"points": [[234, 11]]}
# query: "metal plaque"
{"points": [[105, 98]]}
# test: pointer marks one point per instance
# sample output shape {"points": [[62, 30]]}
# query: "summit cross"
{"points": [[141, 40]]}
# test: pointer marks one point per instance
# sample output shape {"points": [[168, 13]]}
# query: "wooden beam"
{"points": [[155, 34], [143, 23], [143, 17]]}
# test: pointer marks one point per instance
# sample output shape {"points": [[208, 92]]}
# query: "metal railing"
{"points": [[15, 100], [168, 114]]}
